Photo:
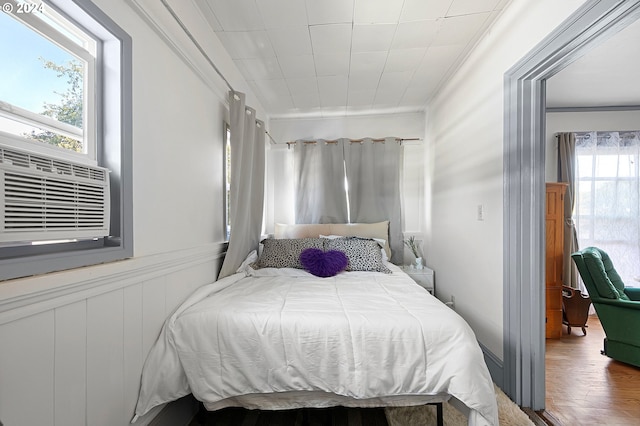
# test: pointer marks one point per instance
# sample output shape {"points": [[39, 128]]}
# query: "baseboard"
{"points": [[495, 366], [177, 413]]}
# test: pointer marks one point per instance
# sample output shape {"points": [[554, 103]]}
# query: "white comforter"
{"points": [[358, 334]]}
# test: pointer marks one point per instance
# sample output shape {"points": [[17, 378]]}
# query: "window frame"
{"points": [[87, 54], [113, 131]]}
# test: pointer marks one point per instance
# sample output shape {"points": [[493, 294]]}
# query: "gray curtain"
{"points": [[373, 172], [567, 173], [247, 182], [319, 182]]}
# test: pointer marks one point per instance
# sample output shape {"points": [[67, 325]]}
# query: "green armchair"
{"points": [[617, 306]]}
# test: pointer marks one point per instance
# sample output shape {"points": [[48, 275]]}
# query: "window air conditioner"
{"points": [[45, 198]]}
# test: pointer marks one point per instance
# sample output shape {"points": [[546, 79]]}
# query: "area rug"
{"points": [[425, 415]]}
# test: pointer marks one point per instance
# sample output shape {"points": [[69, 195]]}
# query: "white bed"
{"points": [[283, 338]]}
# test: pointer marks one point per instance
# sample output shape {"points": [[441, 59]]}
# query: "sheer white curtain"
{"points": [[247, 182], [608, 197], [319, 182], [373, 176]]}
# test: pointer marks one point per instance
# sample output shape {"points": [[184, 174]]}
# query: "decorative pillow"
{"points": [[381, 242], [363, 254], [323, 263], [285, 253]]}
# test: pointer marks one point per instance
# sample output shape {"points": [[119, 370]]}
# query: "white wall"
{"points": [[465, 146], [582, 122], [280, 202], [72, 344]]}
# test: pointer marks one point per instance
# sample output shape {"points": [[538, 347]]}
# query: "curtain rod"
{"points": [[202, 52], [333, 141]]}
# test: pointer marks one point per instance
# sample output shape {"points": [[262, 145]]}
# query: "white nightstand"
{"points": [[423, 276]]}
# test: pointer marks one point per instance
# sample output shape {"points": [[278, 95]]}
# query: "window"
{"points": [[65, 118], [607, 210], [227, 181], [48, 85]]}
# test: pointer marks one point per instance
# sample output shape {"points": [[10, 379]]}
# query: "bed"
{"points": [[280, 338]]}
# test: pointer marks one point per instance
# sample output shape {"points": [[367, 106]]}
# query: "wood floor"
{"points": [[337, 416], [587, 388]]}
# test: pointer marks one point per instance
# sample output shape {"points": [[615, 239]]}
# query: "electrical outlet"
{"points": [[480, 212]]}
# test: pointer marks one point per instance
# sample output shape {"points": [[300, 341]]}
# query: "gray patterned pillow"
{"points": [[285, 253], [364, 254]]}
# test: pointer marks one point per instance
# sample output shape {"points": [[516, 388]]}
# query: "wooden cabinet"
{"points": [[554, 220]]}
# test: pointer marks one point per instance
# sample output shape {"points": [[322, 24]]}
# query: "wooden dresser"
{"points": [[554, 219]]}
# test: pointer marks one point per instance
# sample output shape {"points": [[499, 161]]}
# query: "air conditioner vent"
{"points": [[46, 198]]}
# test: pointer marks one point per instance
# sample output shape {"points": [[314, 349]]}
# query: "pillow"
{"points": [[285, 253], [313, 230], [323, 263], [363, 254], [380, 241]]}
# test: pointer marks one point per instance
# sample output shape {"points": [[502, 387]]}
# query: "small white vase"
{"points": [[419, 263]]}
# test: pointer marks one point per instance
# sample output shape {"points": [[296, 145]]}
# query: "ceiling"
{"points": [[339, 57], [607, 75]]}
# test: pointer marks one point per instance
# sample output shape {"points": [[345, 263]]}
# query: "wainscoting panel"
{"points": [[26, 371], [70, 366], [133, 352], [74, 358], [105, 361]]}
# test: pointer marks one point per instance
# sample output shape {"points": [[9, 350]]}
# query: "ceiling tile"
{"points": [[388, 98], [282, 13], [332, 63], [467, 7], [415, 34], [297, 66], [260, 69], [372, 37], [435, 66], [271, 90], [238, 15], [291, 41], [417, 95], [460, 29], [364, 80], [377, 11], [370, 62], [306, 100], [404, 59], [394, 80], [300, 86], [329, 11], [333, 90], [414, 10], [361, 97], [246, 44], [331, 38]]}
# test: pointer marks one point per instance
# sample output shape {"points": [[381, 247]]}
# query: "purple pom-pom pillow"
{"points": [[323, 263]]}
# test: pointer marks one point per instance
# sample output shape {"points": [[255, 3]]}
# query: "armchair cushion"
{"points": [[606, 279], [633, 293]]}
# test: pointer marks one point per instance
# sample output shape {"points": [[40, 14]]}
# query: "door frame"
{"points": [[524, 189]]}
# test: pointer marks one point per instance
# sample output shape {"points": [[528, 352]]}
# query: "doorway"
{"points": [[524, 159]]}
